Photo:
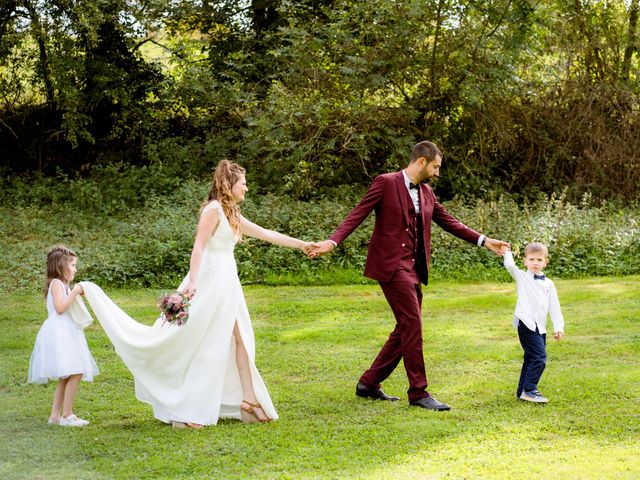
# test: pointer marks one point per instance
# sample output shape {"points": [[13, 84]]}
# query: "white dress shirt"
{"points": [[536, 299], [415, 196]]}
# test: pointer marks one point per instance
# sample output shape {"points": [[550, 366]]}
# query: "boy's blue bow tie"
{"points": [[538, 277]]}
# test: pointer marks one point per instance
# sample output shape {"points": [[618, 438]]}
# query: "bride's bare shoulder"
{"points": [[212, 205]]}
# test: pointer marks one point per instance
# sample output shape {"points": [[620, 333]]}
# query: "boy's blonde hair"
{"points": [[535, 247]]}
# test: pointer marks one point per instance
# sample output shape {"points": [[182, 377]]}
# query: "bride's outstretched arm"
{"points": [[206, 226], [271, 236]]}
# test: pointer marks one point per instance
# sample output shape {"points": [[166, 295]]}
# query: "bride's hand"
{"points": [[190, 290], [306, 247]]}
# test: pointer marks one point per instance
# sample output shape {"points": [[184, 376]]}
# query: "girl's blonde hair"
{"points": [[225, 176], [57, 264]]}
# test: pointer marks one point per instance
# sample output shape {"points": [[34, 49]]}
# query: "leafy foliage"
{"points": [[524, 97], [137, 228]]}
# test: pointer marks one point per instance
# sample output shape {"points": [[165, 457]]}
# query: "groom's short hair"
{"points": [[425, 149]]}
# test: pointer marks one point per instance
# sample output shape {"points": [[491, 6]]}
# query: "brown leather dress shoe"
{"points": [[430, 403], [375, 393]]}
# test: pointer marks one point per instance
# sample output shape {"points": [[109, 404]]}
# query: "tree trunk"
{"points": [[631, 40], [592, 61], [43, 64], [434, 50], [7, 12]]}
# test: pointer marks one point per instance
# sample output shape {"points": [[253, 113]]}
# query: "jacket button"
{"points": [[403, 244]]}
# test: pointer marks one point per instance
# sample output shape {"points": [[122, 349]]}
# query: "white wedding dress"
{"points": [[189, 373]]}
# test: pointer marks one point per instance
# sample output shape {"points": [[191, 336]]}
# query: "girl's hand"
{"points": [[78, 289]]}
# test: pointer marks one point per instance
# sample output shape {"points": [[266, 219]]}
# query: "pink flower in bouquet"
{"points": [[176, 299], [181, 317]]}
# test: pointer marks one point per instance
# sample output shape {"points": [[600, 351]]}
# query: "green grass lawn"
{"points": [[312, 345]]}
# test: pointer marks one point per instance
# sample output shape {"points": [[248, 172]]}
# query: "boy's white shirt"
{"points": [[536, 299]]}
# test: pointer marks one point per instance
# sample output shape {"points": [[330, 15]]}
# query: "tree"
{"points": [[85, 70], [522, 95]]}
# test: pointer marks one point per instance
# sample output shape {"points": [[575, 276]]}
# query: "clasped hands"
{"points": [[316, 249], [497, 246]]}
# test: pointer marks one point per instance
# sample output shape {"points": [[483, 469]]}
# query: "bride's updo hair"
{"points": [[58, 259], [225, 176]]}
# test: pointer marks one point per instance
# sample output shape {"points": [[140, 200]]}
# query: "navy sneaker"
{"points": [[534, 396]]}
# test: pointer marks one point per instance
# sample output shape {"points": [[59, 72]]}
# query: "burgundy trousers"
{"points": [[404, 294]]}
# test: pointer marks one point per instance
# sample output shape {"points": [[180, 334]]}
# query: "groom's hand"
{"points": [[321, 248]]}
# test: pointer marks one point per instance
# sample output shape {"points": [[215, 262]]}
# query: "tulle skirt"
{"points": [[60, 350]]}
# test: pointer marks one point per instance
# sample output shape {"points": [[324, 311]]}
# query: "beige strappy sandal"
{"points": [[249, 414], [194, 426]]}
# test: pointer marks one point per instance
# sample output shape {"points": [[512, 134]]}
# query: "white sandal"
{"points": [[72, 421]]}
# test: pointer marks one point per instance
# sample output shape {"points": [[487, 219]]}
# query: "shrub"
{"points": [[145, 239]]}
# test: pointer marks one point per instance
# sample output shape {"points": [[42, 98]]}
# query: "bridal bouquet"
{"points": [[174, 308]]}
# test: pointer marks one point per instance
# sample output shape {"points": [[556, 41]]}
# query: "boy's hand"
{"points": [[558, 335]]}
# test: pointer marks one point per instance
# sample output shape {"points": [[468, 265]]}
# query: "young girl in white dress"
{"points": [[61, 351]]}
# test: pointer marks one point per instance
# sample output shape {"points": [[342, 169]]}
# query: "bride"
{"points": [[201, 371]]}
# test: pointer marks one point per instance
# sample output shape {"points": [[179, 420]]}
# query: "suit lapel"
{"points": [[402, 193]]}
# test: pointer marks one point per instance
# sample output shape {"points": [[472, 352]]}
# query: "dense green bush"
{"points": [[127, 232], [583, 239]]}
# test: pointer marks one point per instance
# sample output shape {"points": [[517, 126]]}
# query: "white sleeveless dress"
{"points": [[61, 348], [189, 373]]}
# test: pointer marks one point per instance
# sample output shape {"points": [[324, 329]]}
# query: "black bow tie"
{"points": [[414, 185], [538, 277]]}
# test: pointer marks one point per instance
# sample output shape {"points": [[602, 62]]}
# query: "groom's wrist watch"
{"points": [[482, 240]]}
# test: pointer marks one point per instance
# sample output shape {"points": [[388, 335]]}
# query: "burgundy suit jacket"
{"points": [[388, 196]]}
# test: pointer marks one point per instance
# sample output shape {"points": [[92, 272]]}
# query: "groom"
{"points": [[398, 258]]}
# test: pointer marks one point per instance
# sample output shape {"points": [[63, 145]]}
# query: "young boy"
{"points": [[537, 296]]}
